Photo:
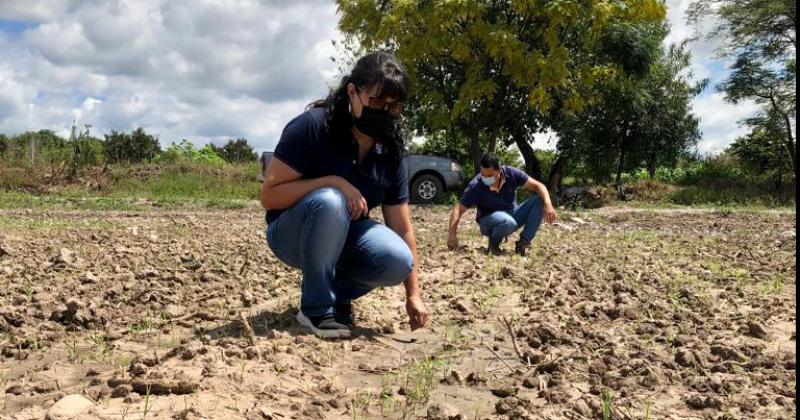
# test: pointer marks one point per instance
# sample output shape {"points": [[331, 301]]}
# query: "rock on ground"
{"points": [[70, 407]]}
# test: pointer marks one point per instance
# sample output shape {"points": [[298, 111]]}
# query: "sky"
{"points": [[211, 70]]}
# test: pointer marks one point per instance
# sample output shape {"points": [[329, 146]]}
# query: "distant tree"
{"points": [[491, 70], [763, 151], [3, 145], [131, 148], [236, 151], [642, 118], [767, 28], [86, 150], [47, 146], [774, 89], [761, 37]]}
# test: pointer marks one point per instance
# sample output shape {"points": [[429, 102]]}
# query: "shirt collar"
{"points": [[502, 182]]}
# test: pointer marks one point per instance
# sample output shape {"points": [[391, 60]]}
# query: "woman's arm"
{"points": [[283, 188], [398, 219]]}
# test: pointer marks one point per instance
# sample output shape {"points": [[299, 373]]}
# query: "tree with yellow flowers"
{"points": [[493, 71]]}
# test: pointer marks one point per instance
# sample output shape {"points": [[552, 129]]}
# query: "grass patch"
{"points": [[180, 184], [134, 188], [728, 197]]}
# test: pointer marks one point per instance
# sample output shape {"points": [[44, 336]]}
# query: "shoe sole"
{"points": [[306, 322]]}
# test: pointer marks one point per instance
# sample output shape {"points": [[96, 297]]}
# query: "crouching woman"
{"points": [[333, 165]]}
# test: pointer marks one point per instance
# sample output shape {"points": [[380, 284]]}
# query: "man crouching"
{"points": [[494, 193]]}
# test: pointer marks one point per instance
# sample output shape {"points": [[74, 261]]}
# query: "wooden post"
{"points": [[32, 147]]}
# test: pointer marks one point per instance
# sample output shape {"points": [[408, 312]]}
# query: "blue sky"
{"points": [[197, 70]]}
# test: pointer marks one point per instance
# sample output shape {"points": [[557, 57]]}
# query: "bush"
{"points": [[185, 151], [236, 151], [721, 167], [3, 145], [131, 148], [50, 148], [87, 151]]}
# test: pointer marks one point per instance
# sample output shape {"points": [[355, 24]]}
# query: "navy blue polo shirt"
{"points": [[307, 147], [477, 194]]}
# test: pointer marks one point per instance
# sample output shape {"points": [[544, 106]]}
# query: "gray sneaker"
{"points": [[324, 326]]}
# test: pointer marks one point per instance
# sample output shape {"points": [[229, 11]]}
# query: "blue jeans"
{"points": [[500, 224], [341, 261]]}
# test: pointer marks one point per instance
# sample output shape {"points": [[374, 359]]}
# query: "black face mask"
{"points": [[376, 123]]}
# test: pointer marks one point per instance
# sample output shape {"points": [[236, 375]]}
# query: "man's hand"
{"points": [[417, 313], [550, 214], [452, 240]]}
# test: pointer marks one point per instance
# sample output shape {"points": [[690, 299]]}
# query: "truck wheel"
{"points": [[426, 189]]}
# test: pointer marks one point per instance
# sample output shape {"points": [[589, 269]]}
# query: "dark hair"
{"points": [[490, 161], [380, 69]]}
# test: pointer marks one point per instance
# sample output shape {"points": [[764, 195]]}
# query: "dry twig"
{"points": [[248, 330], [509, 322]]}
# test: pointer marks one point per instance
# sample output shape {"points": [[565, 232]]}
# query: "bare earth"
{"points": [[624, 314]]}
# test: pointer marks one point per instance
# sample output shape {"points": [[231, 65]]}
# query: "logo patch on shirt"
{"points": [[380, 149]]}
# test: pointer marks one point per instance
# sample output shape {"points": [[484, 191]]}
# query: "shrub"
{"points": [[131, 148], [236, 151], [721, 167], [3, 145], [87, 151], [185, 151]]}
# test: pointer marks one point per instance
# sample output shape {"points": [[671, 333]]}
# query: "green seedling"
{"points": [[606, 399], [148, 405], [72, 350]]}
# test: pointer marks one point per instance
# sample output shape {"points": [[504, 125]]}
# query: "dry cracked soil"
{"points": [[615, 314]]}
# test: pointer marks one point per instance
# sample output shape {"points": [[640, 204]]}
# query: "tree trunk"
{"points": [[790, 144], [493, 140], [475, 148], [620, 165], [652, 167], [557, 174], [532, 165]]}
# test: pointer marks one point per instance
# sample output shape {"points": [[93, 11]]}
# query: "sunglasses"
{"points": [[395, 108]]}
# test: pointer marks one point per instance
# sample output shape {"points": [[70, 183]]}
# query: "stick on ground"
{"points": [[248, 330], [509, 324]]}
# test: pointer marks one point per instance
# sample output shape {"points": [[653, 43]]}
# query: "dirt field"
{"points": [[618, 314]]}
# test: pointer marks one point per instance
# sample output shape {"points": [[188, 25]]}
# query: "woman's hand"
{"points": [[356, 202], [550, 214], [417, 312]]}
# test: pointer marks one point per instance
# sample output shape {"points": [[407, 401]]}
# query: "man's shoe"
{"points": [[522, 247], [324, 326], [343, 313]]}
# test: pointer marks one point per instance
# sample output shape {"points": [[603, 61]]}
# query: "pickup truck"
{"points": [[429, 176]]}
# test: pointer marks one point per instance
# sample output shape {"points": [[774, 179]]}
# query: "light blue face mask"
{"points": [[488, 180]]}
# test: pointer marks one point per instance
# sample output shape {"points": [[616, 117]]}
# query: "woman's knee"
{"points": [[397, 263], [330, 201]]}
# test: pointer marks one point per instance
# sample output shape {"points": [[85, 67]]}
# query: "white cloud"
{"points": [[33, 10], [211, 69], [204, 70], [719, 121]]}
